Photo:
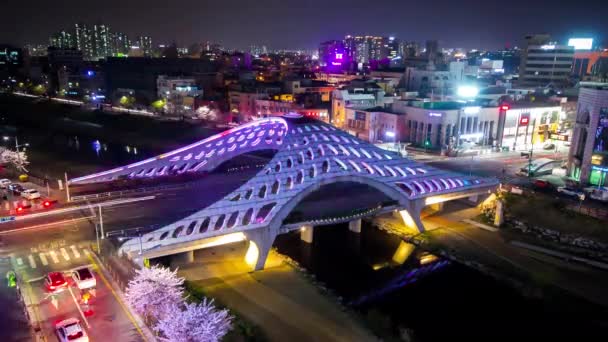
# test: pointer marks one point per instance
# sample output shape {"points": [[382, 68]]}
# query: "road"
{"points": [[493, 249]]}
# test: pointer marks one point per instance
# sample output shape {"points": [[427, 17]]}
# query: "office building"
{"points": [[588, 156], [545, 63], [332, 55]]}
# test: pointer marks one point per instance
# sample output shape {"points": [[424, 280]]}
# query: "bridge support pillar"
{"points": [[437, 207], [260, 242], [185, 257], [411, 216], [355, 226], [306, 233], [473, 199]]}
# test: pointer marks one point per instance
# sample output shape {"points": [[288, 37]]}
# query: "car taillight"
{"points": [[46, 204], [19, 209], [51, 287]]}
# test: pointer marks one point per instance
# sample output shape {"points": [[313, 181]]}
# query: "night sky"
{"points": [[294, 24]]}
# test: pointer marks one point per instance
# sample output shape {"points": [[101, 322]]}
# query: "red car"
{"points": [[542, 184], [55, 282]]}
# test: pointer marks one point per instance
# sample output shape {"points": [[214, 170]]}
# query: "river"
{"points": [[437, 301]]}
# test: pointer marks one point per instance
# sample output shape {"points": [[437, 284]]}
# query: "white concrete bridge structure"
{"points": [[310, 154]]}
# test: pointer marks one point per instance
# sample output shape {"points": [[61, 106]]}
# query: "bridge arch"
{"points": [[284, 211]]}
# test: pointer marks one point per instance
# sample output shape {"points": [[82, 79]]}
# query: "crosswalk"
{"points": [[64, 254]]}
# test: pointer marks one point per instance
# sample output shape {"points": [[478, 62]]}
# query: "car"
{"points": [[55, 282], [4, 183], [84, 278], [542, 184], [30, 194], [549, 146], [17, 189], [570, 191], [70, 330]]}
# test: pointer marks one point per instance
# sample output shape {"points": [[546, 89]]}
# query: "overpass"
{"points": [[310, 154]]}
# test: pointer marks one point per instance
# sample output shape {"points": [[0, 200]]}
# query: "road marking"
{"points": [[19, 261], [122, 305], [65, 254], [43, 258], [46, 225], [75, 251], [54, 256], [32, 262], [78, 307]]}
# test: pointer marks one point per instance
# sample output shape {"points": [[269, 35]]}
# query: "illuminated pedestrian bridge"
{"points": [[310, 154]]}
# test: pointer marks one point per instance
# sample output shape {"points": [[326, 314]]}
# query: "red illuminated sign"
{"points": [[524, 119]]}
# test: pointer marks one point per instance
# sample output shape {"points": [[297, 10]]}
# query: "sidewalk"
{"points": [[15, 323]]}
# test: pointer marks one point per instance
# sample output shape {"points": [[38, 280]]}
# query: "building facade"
{"points": [[544, 62], [588, 156]]}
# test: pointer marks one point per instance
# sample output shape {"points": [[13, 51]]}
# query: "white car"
{"points": [[4, 183], [30, 194], [70, 330], [570, 191], [84, 278]]}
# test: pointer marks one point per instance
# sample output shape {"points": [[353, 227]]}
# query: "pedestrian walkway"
{"points": [[55, 256]]}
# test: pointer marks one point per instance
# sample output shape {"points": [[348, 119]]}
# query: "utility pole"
{"points": [[67, 186], [530, 162], [101, 223]]}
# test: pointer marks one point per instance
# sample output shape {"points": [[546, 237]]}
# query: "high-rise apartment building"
{"points": [[101, 41], [544, 62], [145, 44], [83, 40], [120, 44], [62, 40]]}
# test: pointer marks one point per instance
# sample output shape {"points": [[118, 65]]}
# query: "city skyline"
{"points": [[474, 24]]}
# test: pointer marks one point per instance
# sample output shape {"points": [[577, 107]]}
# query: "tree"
{"points": [[154, 292], [196, 322], [14, 158]]}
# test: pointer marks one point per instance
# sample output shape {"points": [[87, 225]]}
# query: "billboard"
{"points": [[581, 43]]}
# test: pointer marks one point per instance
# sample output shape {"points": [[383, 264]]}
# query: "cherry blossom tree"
{"points": [[17, 159], [154, 292], [196, 322]]}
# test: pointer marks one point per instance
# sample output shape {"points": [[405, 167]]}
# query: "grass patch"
{"points": [[242, 329], [551, 213]]}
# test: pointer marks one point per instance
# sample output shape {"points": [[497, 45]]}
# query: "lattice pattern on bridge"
{"points": [[310, 154]]}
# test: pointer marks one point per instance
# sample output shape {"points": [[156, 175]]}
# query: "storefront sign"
{"points": [[560, 137], [435, 114], [4, 219]]}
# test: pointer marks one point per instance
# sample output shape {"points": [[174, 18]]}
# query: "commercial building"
{"points": [[588, 157], [376, 125], [430, 80], [359, 94], [332, 55], [590, 64], [543, 62], [179, 93], [139, 75]]}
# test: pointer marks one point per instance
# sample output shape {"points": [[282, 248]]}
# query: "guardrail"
{"points": [[122, 193]]}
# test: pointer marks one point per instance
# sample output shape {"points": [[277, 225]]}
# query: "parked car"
{"points": [[30, 194], [84, 278], [599, 194], [17, 189], [4, 182], [541, 184], [549, 146], [570, 191], [70, 330], [55, 282]]}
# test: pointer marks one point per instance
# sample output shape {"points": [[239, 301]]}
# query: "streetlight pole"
{"points": [[101, 223]]}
